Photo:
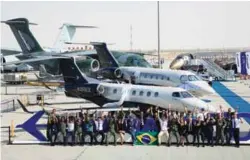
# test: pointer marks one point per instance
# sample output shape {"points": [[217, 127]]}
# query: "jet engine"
{"points": [[100, 89], [118, 73], [110, 73], [8, 59], [87, 64]]}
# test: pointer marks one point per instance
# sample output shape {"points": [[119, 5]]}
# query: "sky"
{"points": [[183, 25]]}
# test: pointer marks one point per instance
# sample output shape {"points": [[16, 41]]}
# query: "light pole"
{"points": [[158, 24]]}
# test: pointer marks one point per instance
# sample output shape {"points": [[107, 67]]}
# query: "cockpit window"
{"points": [[184, 78], [186, 95], [176, 94], [193, 78], [130, 59]]}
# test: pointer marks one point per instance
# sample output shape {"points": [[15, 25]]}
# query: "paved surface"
{"points": [[125, 152], [43, 152]]}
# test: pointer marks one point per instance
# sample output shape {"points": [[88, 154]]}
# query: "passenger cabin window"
{"points": [[156, 77], [115, 91], [176, 94], [134, 93], [186, 95], [141, 93], [148, 94], [156, 94], [162, 77], [152, 76]]}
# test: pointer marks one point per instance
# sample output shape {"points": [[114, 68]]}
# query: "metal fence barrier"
{"points": [[9, 105], [5, 135]]}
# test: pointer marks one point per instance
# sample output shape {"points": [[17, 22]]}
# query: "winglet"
{"points": [[31, 127]]}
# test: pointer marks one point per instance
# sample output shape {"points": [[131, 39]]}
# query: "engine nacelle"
{"points": [[87, 64], [110, 73], [100, 89], [8, 59], [118, 73]]}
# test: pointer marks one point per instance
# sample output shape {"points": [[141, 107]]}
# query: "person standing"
{"points": [[227, 130], [236, 129], [54, 130], [63, 129], [189, 128], [197, 132], [78, 130], [88, 126], [111, 129], [121, 131], [99, 129], [71, 130], [174, 130], [210, 130], [210, 81], [182, 130], [49, 124], [163, 128], [131, 126], [220, 125]]}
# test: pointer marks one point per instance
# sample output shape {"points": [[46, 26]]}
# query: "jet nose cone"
{"points": [[194, 102], [176, 64], [202, 87]]}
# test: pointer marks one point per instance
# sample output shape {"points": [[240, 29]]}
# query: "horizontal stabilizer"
{"points": [[6, 52], [76, 26], [91, 43], [16, 22]]}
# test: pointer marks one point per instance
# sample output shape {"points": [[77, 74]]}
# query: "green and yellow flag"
{"points": [[146, 138]]}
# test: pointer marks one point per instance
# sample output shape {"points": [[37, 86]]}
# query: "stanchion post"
{"points": [[9, 135], [14, 108]]}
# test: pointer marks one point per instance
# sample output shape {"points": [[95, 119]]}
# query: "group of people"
{"points": [[201, 125]]}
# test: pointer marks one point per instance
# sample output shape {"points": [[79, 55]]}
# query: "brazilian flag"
{"points": [[146, 138]]}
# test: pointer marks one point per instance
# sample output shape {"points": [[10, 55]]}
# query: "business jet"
{"points": [[149, 76], [114, 95], [32, 52]]}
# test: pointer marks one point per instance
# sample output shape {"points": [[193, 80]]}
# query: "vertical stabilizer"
{"points": [[106, 58], [23, 35], [66, 35]]}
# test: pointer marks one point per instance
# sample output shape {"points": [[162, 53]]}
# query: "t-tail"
{"points": [[74, 79], [23, 35], [66, 34], [72, 73], [106, 58]]}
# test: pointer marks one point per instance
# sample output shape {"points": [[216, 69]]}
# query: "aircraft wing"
{"points": [[42, 58], [7, 52]]}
